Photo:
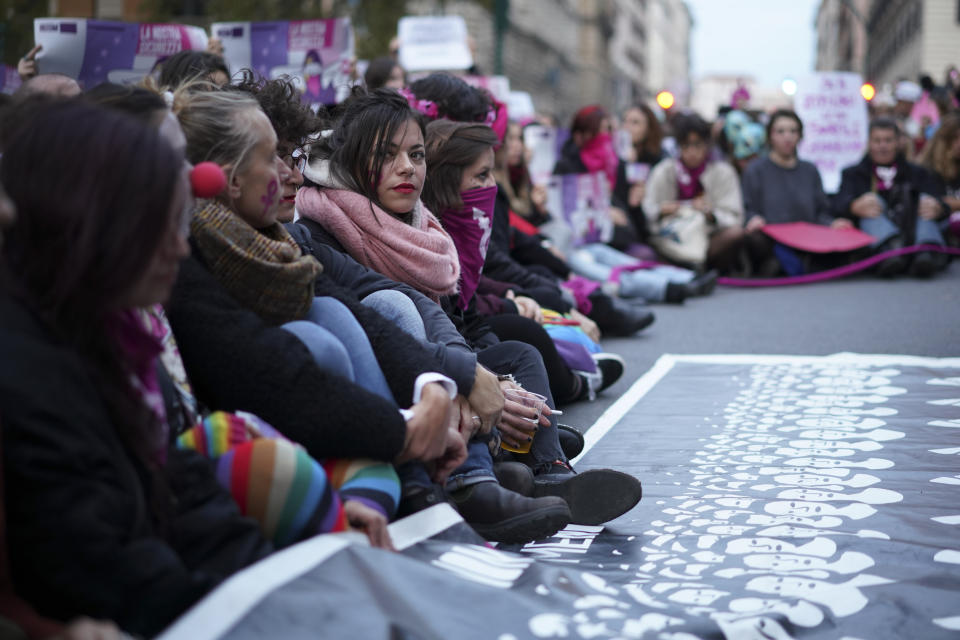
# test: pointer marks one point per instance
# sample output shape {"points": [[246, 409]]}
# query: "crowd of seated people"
{"points": [[264, 322]]}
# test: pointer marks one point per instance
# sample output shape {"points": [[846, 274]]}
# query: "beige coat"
{"points": [[720, 184]]}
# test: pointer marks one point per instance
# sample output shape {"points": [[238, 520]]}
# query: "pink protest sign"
{"points": [[817, 238]]}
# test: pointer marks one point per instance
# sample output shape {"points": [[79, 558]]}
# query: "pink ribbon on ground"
{"points": [[839, 272]]}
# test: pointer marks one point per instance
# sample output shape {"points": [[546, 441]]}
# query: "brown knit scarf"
{"points": [[263, 269]]}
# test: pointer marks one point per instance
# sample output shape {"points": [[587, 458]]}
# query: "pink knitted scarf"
{"points": [[420, 254]]}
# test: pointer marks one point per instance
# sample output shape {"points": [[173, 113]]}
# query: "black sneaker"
{"points": [[504, 516], [895, 265], [924, 264], [705, 284], [595, 496], [611, 367], [571, 440]]}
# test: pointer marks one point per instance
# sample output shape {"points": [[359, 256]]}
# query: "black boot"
{"points": [[417, 499], [504, 516], [891, 266], [571, 440], [595, 496], [616, 317]]}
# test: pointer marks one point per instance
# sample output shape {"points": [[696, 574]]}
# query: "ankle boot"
{"points": [[504, 516]]}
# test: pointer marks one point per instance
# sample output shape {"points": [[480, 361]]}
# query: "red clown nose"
{"points": [[207, 180]]}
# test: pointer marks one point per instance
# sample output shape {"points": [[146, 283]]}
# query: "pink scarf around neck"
{"points": [[421, 255]]}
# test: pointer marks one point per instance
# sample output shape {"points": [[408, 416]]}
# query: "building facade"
{"points": [[570, 53], [889, 40], [842, 35]]}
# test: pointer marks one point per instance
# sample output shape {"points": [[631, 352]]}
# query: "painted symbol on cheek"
{"points": [[269, 199]]}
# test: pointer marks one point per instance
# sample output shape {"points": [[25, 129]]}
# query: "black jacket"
{"points": [[80, 535], [858, 180], [455, 357], [237, 362], [569, 160], [500, 265]]}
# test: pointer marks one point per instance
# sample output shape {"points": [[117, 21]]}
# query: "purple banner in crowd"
{"points": [[9, 79], [95, 51], [582, 201], [316, 54]]}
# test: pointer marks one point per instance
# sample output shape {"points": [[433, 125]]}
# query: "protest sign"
{"points": [[95, 51], [520, 106], [316, 54], [637, 172], [10, 79], [541, 143], [498, 86], [433, 43], [582, 201], [834, 116]]}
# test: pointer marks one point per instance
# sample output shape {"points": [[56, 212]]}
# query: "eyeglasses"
{"points": [[296, 159]]}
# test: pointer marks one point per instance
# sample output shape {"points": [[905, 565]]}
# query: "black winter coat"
{"points": [[858, 180], [81, 539]]}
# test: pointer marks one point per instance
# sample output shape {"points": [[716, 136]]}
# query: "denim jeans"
{"points": [[882, 228], [339, 345], [399, 309], [596, 262]]}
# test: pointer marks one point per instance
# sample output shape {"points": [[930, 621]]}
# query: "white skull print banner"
{"points": [[784, 497]]}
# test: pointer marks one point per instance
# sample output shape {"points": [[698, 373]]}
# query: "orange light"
{"points": [[867, 90], [665, 100]]}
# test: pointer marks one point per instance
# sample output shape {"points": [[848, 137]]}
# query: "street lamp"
{"points": [[789, 86], [868, 91], [665, 100]]}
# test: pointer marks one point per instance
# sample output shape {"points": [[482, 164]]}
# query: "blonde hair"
{"points": [[216, 124]]}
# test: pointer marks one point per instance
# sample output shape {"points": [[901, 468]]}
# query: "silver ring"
{"points": [[476, 418]]}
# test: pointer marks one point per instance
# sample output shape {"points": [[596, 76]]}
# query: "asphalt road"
{"points": [[862, 314]]}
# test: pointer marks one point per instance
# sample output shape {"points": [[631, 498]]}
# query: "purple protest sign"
{"points": [[316, 54], [10, 80], [95, 51], [583, 202]]}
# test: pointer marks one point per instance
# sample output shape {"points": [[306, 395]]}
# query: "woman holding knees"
{"points": [[248, 452], [367, 177]]}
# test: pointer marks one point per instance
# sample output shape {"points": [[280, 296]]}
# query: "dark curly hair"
{"points": [[455, 99], [184, 66], [293, 120]]}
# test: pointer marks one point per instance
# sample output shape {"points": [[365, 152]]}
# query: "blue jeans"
{"points": [[882, 228], [339, 345], [596, 262], [399, 309]]}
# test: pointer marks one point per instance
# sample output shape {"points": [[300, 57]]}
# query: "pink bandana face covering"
{"points": [[470, 227]]}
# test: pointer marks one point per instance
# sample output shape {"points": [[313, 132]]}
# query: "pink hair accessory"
{"points": [[426, 107], [497, 120]]}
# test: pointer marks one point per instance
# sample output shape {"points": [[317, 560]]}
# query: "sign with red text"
{"points": [[834, 116], [95, 51]]}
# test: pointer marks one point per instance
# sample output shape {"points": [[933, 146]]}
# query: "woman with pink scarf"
{"points": [[367, 176]]}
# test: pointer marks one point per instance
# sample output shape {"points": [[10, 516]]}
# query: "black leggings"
{"points": [[564, 384]]}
